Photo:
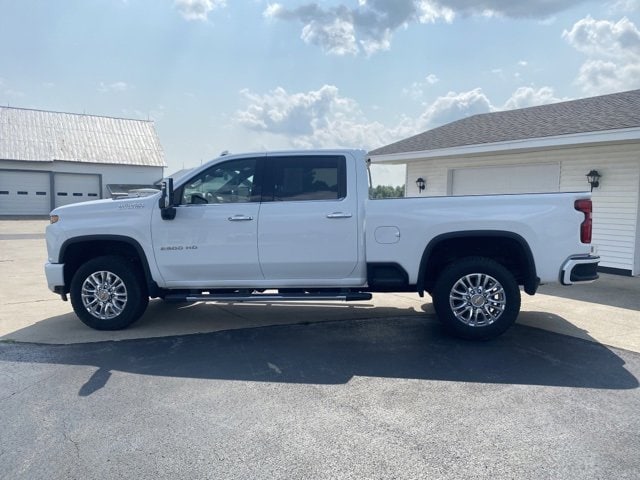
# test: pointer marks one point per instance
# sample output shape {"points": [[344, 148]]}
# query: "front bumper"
{"points": [[579, 269], [55, 276]]}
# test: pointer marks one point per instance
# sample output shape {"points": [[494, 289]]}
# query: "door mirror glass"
{"points": [[167, 209]]}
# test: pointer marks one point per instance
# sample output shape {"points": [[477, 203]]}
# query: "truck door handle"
{"points": [[240, 218], [338, 215]]}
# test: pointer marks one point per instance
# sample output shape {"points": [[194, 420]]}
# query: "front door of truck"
{"points": [[213, 237]]}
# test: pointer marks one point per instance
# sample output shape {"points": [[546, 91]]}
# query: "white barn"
{"points": [[549, 148], [48, 159]]}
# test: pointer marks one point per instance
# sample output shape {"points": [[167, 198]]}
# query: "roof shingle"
{"points": [[595, 114]]}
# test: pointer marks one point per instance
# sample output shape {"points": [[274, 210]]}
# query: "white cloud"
{"points": [[416, 89], [336, 37], [113, 87], [523, 63], [603, 37], [528, 97], [432, 79], [509, 8], [613, 54], [598, 77], [197, 9], [368, 27], [324, 118], [430, 12], [454, 106], [624, 6], [272, 10], [318, 118]]}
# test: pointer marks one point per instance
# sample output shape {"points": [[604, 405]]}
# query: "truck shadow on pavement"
{"points": [[335, 352]]}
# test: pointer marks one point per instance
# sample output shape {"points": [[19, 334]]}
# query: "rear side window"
{"points": [[307, 178]]}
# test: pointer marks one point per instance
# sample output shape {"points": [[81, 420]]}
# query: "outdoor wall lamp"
{"points": [[593, 177], [421, 184]]}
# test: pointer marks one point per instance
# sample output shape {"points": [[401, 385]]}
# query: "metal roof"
{"points": [[38, 135], [595, 114]]}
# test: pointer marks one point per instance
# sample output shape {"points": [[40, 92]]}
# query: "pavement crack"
{"points": [[31, 301], [17, 392], [68, 438]]}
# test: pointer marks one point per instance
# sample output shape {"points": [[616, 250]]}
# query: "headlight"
{"points": [[54, 218]]}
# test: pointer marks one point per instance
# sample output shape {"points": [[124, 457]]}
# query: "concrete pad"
{"points": [[607, 311], [164, 319]]}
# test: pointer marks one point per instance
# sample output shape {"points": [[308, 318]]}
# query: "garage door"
{"points": [[539, 178], [24, 193], [74, 188]]}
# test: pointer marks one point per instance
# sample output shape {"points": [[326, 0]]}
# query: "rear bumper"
{"points": [[55, 276], [579, 269]]}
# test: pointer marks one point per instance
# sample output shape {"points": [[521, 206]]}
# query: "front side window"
{"points": [[308, 178], [228, 182]]}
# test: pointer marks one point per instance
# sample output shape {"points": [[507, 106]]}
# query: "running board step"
{"points": [[269, 297]]}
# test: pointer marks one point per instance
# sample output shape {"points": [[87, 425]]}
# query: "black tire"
{"points": [[476, 298], [119, 306]]}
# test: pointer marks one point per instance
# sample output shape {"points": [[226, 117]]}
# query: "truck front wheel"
{"points": [[476, 298], [108, 293]]}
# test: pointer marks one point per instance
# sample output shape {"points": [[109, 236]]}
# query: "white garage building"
{"points": [[549, 148], [48, 159]]}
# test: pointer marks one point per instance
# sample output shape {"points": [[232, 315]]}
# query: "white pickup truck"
{"points": [[298, 226]]}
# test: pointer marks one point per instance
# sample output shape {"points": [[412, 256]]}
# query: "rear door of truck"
{"points": [[308, 224]]}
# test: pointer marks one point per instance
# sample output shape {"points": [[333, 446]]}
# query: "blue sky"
{"points": [[252, 75]]}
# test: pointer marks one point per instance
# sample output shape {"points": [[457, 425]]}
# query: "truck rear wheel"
{"points": [[476, 298], [108, 293]]}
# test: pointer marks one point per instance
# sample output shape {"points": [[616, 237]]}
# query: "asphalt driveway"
{"points": [[348, 399]]}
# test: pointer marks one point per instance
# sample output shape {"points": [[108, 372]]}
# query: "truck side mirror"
{"points": [[167, 210]]}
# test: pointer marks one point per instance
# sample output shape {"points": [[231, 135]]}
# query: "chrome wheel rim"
{"points": [[104, 295], [477, 300]]}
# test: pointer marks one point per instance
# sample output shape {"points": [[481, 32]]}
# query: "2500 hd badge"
{"points": [[179, 247]]}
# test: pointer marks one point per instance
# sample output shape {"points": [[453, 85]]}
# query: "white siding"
{"points": [[616, 201]]}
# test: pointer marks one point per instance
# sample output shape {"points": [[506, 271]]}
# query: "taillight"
{"points": [[585, 206]]}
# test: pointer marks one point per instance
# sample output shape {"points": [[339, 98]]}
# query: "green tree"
{"points": [[386, 191]]}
